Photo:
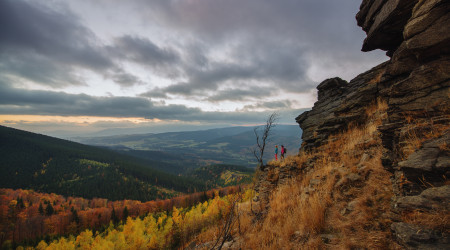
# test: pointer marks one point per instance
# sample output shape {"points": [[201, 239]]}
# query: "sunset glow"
{"points": [[79, 120]]}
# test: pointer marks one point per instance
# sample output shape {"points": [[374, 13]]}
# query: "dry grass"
{"points": [[417, 132], [439, 220], [291, 219], [311, 205], [324, 201]]}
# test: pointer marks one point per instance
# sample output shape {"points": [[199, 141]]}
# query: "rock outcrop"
{"points": [[415, 84], [383, 21], [339, 104], [414, 133]]}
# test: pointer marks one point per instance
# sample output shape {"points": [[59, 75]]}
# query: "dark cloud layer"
{"points": [[258, 53], [144, 51], [55, 43], [272, 42]]}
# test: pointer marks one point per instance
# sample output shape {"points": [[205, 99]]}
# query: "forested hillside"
{"points": [[27, 217], [222, 175], [232, 145], [48, 164]]}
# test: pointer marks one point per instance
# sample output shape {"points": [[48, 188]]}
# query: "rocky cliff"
{"points": [[415, 133], [407, 100]]}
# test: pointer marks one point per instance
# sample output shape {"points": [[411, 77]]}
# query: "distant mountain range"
{"points": [[184, 151]]}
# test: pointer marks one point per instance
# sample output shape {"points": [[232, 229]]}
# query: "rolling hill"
{"points": [[232, 145], [48, 164]]}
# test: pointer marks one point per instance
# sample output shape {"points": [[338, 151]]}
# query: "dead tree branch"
{"points": [[262, 139]]}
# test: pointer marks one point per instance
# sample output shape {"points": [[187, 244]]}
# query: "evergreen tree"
{"points": [[125, 214], [114, 218], [49, 210], [41, 209], [204, 197], [75, 217]]}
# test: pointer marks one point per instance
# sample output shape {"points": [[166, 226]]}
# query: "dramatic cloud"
{"points": [[55, 42], [175, 60], [145, 52]]}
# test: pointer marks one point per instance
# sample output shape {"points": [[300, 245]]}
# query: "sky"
{"points": [[103, 67]]}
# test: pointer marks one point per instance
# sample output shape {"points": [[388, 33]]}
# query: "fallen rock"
{"points": [[421, 160], [413, 202], [431, 161], [437, 198], [438, 194], [418, 237]]}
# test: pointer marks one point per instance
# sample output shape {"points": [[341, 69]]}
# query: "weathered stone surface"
{"points": [[438, 194], [339, 104], [424, 14], [374, 8], [402, 62], [384, 22], [416, 85], [431, 160], [436, 198], [443, 163], [413, 202], [419, 238], [422, 160], [433, 35]]}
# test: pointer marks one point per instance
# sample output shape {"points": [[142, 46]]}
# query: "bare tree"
{"points": [[261, 139]]}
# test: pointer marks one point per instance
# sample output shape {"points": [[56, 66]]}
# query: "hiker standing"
{"points": [[276, 152], [282, 152]]}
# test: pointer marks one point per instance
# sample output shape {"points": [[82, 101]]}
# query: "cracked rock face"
{"points": [[415, 83], [339, 104], [416, 86], [384, 21], [417, 237], [430, 161]]}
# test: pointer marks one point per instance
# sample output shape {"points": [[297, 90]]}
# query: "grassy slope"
{"points": [[341, 203]]}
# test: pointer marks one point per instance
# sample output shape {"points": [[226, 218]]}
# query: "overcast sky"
{"points": [[76, 67]]}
